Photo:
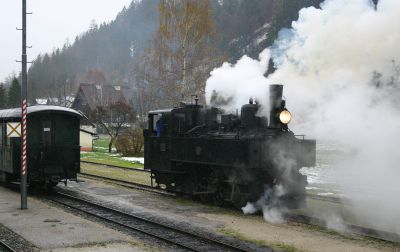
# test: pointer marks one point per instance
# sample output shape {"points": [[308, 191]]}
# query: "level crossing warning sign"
{"points": [[14, 129]]}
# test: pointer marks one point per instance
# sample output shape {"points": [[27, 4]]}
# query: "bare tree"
{"points": [[95, 76], [145, 84], [179, 59], [130, 142], [113, 119], [185, 34]]}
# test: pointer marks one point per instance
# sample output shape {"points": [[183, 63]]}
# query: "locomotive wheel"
{"points": [[205, 198], [238, 200], [203, 186], [218, 198], [50, 186]]}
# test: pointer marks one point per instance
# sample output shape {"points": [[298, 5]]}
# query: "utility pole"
{"points": [[24, 173]]}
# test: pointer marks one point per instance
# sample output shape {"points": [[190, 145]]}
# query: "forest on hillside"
{"points": [[146, 48]]}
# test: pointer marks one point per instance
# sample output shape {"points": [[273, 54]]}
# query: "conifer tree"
{"points": [[3, 97], [14, 94]]}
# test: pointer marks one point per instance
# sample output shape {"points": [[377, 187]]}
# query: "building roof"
{"points": [[99, 96], [41, 101], [87, 132], [66, 101], [160, 111], [16, 112]]}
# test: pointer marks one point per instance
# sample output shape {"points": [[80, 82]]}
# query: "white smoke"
{"points": [[340, 66], [240, 81], [271, 211]]}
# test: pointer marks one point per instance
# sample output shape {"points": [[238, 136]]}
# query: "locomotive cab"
{"points": [[157, 123]]}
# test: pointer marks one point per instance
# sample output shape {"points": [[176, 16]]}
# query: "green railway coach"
{"points": [[53, 151]]}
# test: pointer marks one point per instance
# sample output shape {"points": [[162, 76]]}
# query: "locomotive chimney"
{"points": [[275, 102]]}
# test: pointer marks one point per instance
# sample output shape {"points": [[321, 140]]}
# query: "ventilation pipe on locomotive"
{"points": [[279, 115]]}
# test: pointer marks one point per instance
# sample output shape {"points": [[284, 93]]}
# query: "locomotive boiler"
{"points": [[229, 158]]}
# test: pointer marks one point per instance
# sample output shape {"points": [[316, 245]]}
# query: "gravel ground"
{"points": [[140, 241], [15, 241], [224, 223], [133, 201]]}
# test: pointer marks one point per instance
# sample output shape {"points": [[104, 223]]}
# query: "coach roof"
{"points": [[16, 112]]}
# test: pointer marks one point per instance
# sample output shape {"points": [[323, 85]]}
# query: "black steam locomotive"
{"points": [[223, 158]]}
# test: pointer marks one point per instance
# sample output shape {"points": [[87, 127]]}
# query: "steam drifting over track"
{"points": [[293, 217]]}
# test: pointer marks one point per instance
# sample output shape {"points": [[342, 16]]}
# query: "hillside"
{"points": [[106, 47], [242, 27]]}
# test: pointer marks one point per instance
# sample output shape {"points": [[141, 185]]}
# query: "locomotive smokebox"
{"points": [[275, 104]]}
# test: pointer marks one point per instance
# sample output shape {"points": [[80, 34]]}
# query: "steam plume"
{"points": [[340, 67]]}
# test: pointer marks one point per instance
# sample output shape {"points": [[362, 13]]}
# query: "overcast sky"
{"points": [[52, 22]]}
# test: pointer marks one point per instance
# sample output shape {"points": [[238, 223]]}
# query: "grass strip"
{"points": [[123, 175]]}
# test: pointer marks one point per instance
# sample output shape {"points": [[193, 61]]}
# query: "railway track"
{"points": [[325, 198], [368, 232], [164, 192], [346, 228], [146, 187], [116, 167], [354, 229], [175, 236], [127, 184], [5, 247]]}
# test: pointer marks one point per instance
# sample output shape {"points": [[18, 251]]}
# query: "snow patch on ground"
{"points": [[134, 159]]}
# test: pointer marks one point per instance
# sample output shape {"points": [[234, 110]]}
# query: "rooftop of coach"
{"points": [[16, 112]]}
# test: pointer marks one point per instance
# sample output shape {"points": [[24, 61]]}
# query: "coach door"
{"points": [[46, 140], [6, 161], [49, 151], [46, 133]]}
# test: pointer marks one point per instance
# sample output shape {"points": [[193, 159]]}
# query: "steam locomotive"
{"points": [[229, 158]]}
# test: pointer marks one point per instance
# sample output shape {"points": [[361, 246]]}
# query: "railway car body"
{"points": [[53, 151], [229, 158]]}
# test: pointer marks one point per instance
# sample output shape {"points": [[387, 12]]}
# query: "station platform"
{"points": [[48, 228]]}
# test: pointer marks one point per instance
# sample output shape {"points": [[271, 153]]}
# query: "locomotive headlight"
{"points": [[285, 116]]}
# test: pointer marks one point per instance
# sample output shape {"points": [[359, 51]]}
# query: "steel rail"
{"points": [[148, 188], [179, 237], [325, 198], [312, 196], [131, 185], [116, 166], [347, 228], [368, 232], [5, 247]]}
